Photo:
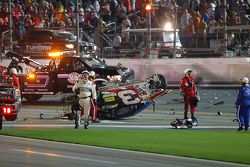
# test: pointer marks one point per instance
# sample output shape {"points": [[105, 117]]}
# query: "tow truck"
{"points": [[60, 74], [38, 43], [10, 100]]}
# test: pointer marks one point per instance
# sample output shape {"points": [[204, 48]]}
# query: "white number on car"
{"points": [[128, 97]]}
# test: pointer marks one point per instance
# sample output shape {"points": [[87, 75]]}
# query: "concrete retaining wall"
{"points": [[210, 70]]}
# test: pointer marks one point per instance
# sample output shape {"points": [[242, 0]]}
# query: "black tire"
{"points": [[10, 117], [163, 80], [32, 97], [159, 83], [1, 122]]}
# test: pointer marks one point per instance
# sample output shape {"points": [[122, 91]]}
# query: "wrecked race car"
{"points": [[121, 100]]}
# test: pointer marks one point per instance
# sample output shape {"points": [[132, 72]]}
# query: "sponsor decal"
{"points": [[38, 48], [73, 77]]}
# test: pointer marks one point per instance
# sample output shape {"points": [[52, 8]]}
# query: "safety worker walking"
{"points": [[86, 92], [13, 79], [189, 92], [243, 104], [93, 102]]}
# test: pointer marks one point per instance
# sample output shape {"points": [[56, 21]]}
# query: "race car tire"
{"points": [[32, 97], [163, 80], [158, 81], [1, 121], [10, 117]]}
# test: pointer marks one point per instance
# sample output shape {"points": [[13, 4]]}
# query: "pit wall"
{"points": [[209, 70]]}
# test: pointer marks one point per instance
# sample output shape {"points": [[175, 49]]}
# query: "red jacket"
{"points": [[188, 86], [14, 80]]}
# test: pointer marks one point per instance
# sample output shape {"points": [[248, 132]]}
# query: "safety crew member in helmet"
{"points": [[93, 101], [189, 91], [243, 104], [86, 92], [13, 79]]}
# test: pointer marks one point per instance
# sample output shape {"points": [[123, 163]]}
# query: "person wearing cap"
{"points": [[85, 91], [243, 104], [93, 101], [189, 92]]}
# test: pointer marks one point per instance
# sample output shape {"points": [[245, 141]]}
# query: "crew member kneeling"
{"points": [[86, 92]]}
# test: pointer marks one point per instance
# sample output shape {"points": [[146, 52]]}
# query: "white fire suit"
{"points": [[87, 91]]}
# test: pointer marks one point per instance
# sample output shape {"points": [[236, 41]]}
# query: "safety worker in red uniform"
{"points": [[86, 91], [13, 79], [93, 102], [189, 92]]}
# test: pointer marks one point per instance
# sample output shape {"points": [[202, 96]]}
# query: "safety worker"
{"points": [[86, 91], [2, 74], [243, 104], [93, 102], [189, 92], [13, 79]]}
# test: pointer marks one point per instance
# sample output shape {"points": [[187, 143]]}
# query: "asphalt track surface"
{"points": [[49, 111], [19, 152], [47, 114]]}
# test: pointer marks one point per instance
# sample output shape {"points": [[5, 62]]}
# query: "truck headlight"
{"points": [[55, 54], [31, 76], [95, 47], [69, 46], [168, 26]]}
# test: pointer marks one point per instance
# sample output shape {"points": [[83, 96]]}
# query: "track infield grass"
{"points": [[228, 145]]}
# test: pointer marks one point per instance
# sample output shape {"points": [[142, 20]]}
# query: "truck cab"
{"points": [[60, 75], [39, 42]]}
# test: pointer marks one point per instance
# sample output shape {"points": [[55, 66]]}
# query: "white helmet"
{"points": [[85, 71], [13, 71], [92, 73], [244, 80], [85, 74], [187, 70]]}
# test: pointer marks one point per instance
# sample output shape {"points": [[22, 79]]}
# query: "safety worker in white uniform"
{"points": [[86, 92]]}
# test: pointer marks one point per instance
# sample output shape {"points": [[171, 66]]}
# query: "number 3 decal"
{"points": [[128, 98]]}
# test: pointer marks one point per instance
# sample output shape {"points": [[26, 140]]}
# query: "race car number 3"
{"points": [[128, 97]]}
